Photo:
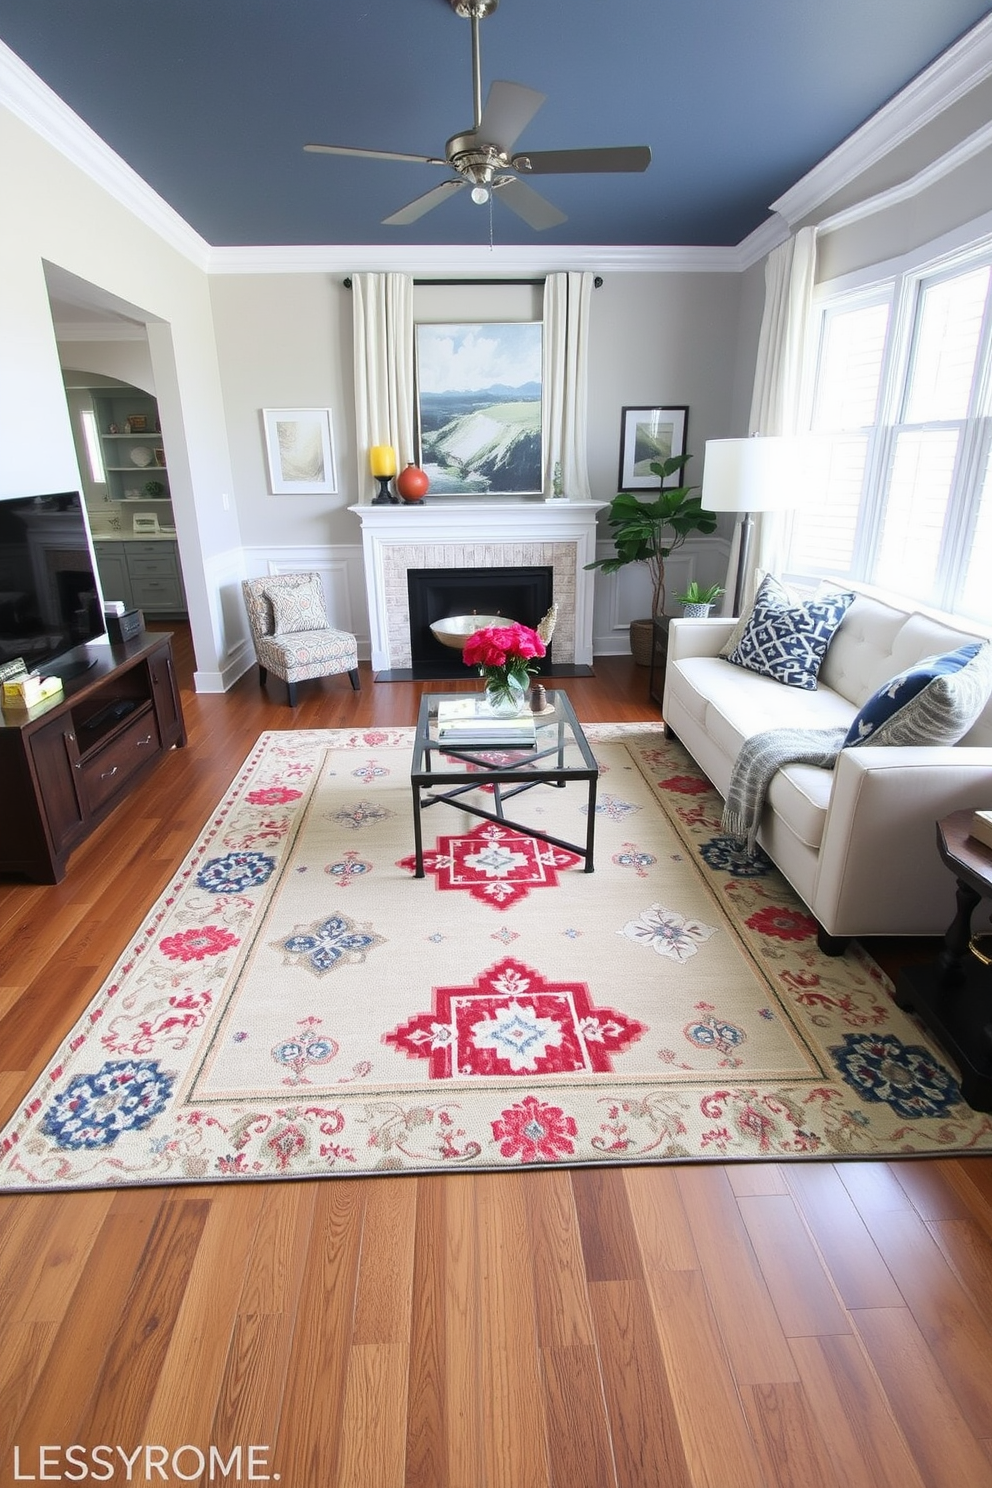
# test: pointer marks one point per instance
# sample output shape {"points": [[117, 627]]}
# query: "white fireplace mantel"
{"points": [[478, 534]]}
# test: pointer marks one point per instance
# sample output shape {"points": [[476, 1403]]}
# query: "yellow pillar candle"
{"points": [[382, 459]]}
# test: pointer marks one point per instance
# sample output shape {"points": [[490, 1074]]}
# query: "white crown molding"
{"points": [[962, 67], [758, 244], [34, 103], [959, 155], [481, 261]]}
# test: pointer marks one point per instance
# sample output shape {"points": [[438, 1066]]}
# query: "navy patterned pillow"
{"points": [[788, 641], [935, 701]]}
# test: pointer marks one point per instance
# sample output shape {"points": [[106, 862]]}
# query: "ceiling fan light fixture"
{"points": [[473, 9], [480, 195]]}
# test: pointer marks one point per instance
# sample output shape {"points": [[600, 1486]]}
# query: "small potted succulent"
{"points": [[696, 602]]}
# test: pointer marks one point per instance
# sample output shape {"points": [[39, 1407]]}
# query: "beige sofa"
{"points": [[857, 842]]}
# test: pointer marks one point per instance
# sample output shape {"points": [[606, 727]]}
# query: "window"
{"points": [[900, 489], [94, 453]]}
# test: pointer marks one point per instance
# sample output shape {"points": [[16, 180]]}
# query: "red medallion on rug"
{"points": [[510, 1021], [496, 865]]}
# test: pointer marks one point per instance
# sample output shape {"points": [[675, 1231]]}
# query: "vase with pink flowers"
{"points": [[505, 656]]}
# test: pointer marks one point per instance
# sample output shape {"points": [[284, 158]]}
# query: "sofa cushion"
{"points": [[734, 703], [932, 702], [297, 608], [876, 641], [800, 795], [788, 641]]}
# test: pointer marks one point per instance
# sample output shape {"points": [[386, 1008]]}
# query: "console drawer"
{"points": [[106, 770]]}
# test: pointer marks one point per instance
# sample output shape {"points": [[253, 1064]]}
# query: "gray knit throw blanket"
{"points": [[755, 766]]}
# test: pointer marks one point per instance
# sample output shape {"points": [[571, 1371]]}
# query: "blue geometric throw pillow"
{"points": [[786, 640], [934, 701]]}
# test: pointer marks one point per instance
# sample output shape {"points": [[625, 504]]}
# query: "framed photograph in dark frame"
{"points": [[646, 435]]}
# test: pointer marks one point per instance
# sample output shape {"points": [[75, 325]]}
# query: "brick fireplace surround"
{"points": [[478, 534]]}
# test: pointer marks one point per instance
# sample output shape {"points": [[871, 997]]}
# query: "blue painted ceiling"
{"points": [[211, 101]]}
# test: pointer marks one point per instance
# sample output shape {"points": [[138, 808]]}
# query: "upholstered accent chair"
{"points": [[291, 633]]}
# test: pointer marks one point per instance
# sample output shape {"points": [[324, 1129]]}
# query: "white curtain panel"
{"points": [[383, 319], [776, 402], [566, 359]]}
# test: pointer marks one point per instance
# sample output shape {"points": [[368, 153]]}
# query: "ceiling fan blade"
{"points": [[509, 109], [564, 162], [422, 204], [372, 154], [528, 204]]}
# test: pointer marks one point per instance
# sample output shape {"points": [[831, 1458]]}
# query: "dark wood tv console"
{"points": [[65, 764]]}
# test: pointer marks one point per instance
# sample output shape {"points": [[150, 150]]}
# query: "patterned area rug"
{"points": [[297, 1004]]}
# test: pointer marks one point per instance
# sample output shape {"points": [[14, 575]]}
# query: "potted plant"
{"points": [[648, 532], [696, 602]]}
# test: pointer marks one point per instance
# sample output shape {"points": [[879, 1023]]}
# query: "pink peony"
{"points": [[502, 645]]}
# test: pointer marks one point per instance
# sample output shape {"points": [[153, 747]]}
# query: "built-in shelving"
{"points": [[128, 480]]}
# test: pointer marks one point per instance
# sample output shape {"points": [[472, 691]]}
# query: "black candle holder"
{"points": [[385, 496]]}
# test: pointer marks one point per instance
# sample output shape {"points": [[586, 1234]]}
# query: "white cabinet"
{"points": [[145, 575], [112, 564]]}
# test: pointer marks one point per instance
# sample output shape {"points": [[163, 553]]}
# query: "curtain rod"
{"points": [[597, 281]]}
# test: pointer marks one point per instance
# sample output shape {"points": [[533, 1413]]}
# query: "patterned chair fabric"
{"points": [[295, 656]]}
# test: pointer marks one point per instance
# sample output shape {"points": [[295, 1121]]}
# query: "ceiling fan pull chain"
{"points": [[491, 247]]}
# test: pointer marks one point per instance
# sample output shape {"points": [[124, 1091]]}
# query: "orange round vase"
{"points": [[412, 483]]}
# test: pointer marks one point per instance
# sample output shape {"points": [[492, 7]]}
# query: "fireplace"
{"points": [[479, 536], [523, 594]]}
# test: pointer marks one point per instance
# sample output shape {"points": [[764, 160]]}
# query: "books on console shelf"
{"points": [[468, 721], [981, 827]]}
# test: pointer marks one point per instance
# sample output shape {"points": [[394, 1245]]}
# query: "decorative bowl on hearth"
{"points": [[455, 630]]}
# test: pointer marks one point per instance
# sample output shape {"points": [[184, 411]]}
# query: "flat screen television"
{"points": [[49, 594]]}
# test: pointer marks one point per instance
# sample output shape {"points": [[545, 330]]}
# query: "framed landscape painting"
{"points": [[479, 408], [300, 451], [646, 435]]}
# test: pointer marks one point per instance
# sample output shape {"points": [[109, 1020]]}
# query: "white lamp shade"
{"points": [[757, 474]]}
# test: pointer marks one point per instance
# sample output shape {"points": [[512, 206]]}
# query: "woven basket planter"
{"points": [[641, 634]]}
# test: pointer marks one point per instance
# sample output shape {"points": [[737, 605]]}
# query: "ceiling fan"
{"points": [[483, 155]]}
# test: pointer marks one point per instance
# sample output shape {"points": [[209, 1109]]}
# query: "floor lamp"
{"points": [[749, 475]]}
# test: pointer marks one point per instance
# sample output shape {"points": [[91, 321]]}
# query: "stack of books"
{"points": [[468, 723], [981, 827]]}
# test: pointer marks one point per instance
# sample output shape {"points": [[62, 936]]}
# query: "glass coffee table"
{"points": [[449, 773]]}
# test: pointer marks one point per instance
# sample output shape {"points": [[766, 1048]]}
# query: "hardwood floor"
{"points": [[699, 1326]]}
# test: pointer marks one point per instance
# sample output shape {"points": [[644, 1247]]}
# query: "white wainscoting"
{"points": [[617, 598], [626, 595], [342, 575]]}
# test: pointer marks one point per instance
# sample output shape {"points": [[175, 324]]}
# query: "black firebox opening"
{"points": [[522, 594]]}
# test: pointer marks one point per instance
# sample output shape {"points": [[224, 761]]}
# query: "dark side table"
{"points": [[953, 995], [659, 658]]}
